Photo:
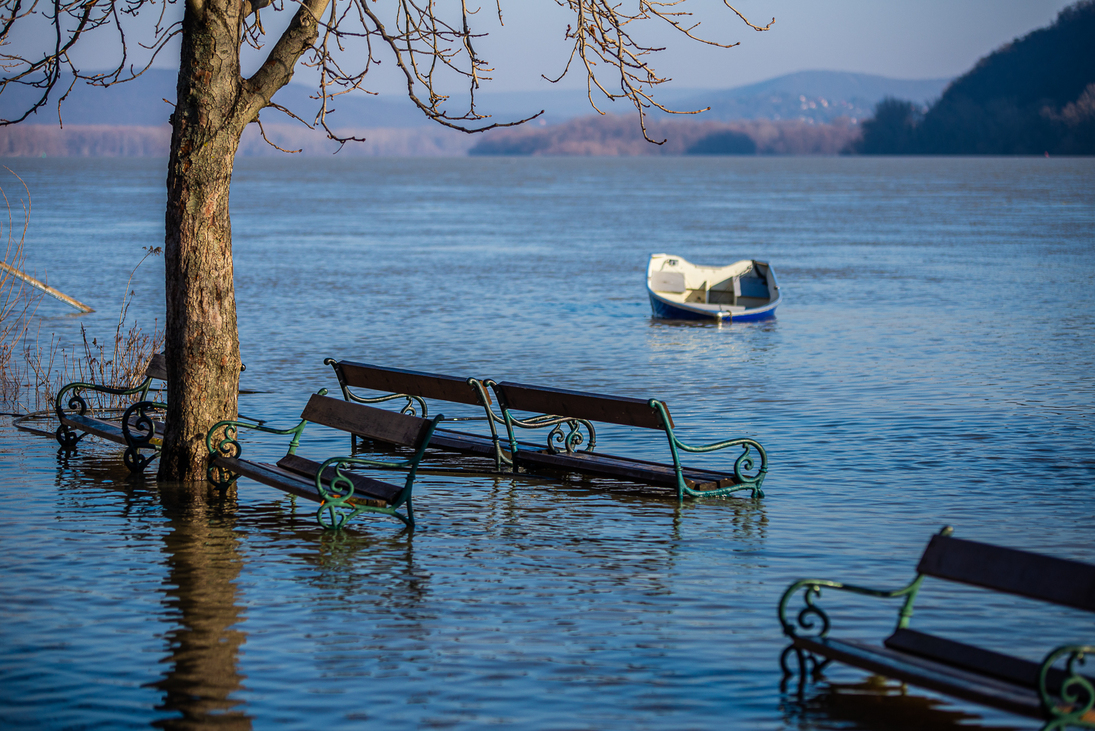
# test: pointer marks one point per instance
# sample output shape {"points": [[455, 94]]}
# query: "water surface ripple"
{"points": [[926, 368]]}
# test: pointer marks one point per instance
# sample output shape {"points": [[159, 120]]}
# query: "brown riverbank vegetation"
{"points": [[133, 141], [33, 365], [612, 135]]}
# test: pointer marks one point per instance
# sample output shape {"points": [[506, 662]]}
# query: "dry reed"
{"points": [[33, 368]]}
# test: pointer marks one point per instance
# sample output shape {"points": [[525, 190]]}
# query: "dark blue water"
{"points": [[931, 364]]}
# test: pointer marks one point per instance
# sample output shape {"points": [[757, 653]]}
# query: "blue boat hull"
{"points": [[668, 311]]}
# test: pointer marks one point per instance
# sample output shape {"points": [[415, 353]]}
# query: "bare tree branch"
{"points": [[431, 44]]}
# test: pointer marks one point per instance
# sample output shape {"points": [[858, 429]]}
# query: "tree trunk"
{"points": [[202, 343], [214, 106]]}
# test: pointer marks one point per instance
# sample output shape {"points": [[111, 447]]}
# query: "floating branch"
{"points": [[45, 288]]}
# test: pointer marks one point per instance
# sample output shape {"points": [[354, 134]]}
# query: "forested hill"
{"points": [[1033, 95]]}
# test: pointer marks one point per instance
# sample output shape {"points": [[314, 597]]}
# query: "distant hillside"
{"points": [[613, 135], [812, 96], [141, 102], [1033, 95], [817, 96]]}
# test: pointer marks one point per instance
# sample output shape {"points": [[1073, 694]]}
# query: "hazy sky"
{"points": [[917, 39], [912, 40]]}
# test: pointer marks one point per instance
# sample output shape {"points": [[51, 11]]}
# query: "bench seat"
{"points": [[337, 483], [136, 429], [931, 674], [571, 451], [626, 468], [109, 429], [463, 443], [296, 476], [1053, 690]]}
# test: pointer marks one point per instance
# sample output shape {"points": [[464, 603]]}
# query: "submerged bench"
{"points": [[577, 410], [416, 387], [341, 491], [135, 428], [1060, 696]]}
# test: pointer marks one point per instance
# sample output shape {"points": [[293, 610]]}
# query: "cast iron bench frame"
{"points": [[416, 387], [578, 409], [341, 493], [1060, 696], [136, 429]]}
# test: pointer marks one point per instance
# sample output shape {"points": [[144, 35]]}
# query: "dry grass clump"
{"points": [[33, 368], [17, 302]]}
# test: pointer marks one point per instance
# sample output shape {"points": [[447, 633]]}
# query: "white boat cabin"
{"points": [[743, 285]]}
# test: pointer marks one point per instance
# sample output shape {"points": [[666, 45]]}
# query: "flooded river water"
{"points": [[926, 368]]}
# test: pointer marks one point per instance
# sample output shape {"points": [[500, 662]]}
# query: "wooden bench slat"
{"points": [[624, 468], [455, 441], [1057, 580], [447, 440], [157, 367], [363, 485], [372, 423], [581, 405], [270, 475], [928, 674], [279, 478], [110, 430], [987, 662], [415, 383]]}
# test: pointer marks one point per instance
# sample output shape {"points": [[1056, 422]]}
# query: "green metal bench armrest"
{"points": [[339, 506], [743, 464], [411, 465], [378, 463], [341, 488], [139, 432], [77, 403], [230, 447], [409, 408], [714, 446], [806, 617], [813, 590], [335, 510], [1077, 695]]}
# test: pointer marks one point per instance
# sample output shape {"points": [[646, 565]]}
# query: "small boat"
{"points": [[679, 290]]}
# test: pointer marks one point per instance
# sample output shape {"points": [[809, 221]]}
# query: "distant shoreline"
{"points": [[617, 136]]}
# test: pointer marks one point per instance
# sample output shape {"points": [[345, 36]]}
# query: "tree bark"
{"points": [[202, 342], [214, 106]]}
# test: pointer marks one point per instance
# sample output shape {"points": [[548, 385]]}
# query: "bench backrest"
{"points": [[1033, 575], [414, 383], [157, 367], [366, 421], [580, 405]]}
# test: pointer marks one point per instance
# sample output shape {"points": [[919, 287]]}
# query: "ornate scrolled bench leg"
{"points": [[745, 464], [568, 439], [222, 478], [806, 667], [1074, 705], [335, 514], [66, 437], [139, 431]]}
